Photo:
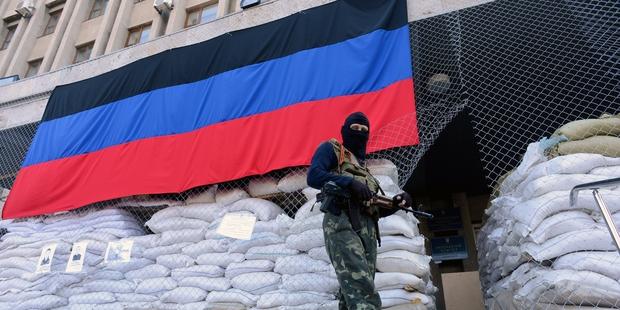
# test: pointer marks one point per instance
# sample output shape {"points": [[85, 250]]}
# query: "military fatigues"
{"points": [[353, 253]]}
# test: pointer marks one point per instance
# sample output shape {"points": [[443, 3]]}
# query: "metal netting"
{"points": [[521, 68]]}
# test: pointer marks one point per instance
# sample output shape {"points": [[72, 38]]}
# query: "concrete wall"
{"points": [[18, 106]]}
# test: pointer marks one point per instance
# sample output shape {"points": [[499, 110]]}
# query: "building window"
{"points": [[33, 67], [83, 52], [52, 22], [201, 15], [8, 37], [98, 8], [138, 34]]}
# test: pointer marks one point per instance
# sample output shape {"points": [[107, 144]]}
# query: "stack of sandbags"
{"points": [[20, 248], [535, 248], [598, 136]]}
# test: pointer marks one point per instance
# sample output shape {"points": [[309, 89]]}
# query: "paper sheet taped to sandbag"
{"points": [[237, 225]]}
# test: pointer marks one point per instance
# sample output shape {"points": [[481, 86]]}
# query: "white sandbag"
{"points": [[232, 296], [92, 298], [155, 252], [580, 163], [299, 264], [270, 252], [561, 223], [132, 297], [148, 272], [611, 171], [184, 295], [387, 184], [18, 263], [403, 261], [173, 261], [310, 192], [285, 298], [308, 209], [397, 225], [176, 223], [165, 214], [555, 182], [256, 282], [43, 302], [278, 226], [391, 298], [314, 282], [583, 240], [309, 223], [146, 241], [398, 280], [319, 253], [228, 196], [207, 212], [207, 284], [306, 240], [17, 296], [294, 181], [156, 285], [180, 236], [605, 263], [262, 186], [390, 243], [533, 155], [383, 167], [257, 239], [264, 210], [570, 287], [20, 252], [235, 269], [207, 196], [206, 246], [112, 286], [219, 259], [14, 285], [208, 271]]}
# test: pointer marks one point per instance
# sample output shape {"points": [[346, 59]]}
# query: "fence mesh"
{"points": [[521, 68]]}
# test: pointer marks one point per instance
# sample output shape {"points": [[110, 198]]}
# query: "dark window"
{"points": [[98, 8], [201, 15], [33, 67], [83, 52], [138, 34], [8, 37], [52, 22]]}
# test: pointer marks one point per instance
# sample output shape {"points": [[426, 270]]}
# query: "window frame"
{"points": [[90, 44], [11, 30], [102, 11], [200, 8], [51, 15], [137, 28], [30, 65]]}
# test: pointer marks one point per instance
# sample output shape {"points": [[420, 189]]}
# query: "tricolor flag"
{"points": [[241, 104]]}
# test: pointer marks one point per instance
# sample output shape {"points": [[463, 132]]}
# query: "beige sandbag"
{"points": [[578, 130], [604, 145]]}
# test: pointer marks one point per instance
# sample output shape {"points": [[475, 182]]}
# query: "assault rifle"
{"points": [[387, 203]]}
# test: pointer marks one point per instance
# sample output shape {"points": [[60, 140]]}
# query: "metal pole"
{"points": [[608, 219]]}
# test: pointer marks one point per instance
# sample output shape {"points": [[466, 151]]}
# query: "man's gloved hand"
{"points": [[402, 200], [360, 190]]}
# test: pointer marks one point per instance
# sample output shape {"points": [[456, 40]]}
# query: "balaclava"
{"points": [[355, 141]]}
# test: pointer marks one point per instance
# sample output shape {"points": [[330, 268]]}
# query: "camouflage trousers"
{"points": [[354, 257]]}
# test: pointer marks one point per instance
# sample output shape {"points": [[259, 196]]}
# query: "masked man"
{"points": [[349, 226]]}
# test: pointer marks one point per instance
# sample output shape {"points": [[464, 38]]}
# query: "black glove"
{"points": [[360, 190], [402, 200]]}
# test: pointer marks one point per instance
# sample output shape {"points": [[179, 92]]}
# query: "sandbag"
{"points": [[206, 246], [262, 186], [294, 181], [148, 272], [219, 259], [314, 282], [270, 252], [319, 253], [208, 271], [555, 182], [92, 298], [591, 239], [235, 269], [173, 261], [257, 239], [232, 296], [605, 263], [397, 225], [207, 212], [299, 264], [256, 282], [228, 196], [383, 167], [308, 223], [184, 295], [180, 236], [611, 171], [175, 223], [306, 240], [390, 243], [391, 298], [604, 145], [285, 298], [132, 297], [206, 196], [585, 128], [403, 261], [112, 286], [398, 280], [165, 213], [310, 192], [264, 210], [207, 284], [561, 223], [155, 252], [43, 302], [156, 285], [387, 184]]}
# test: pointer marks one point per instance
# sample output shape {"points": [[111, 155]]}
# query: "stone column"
{"points": [[118, 36], [106, 28], [222, 8], [64, 56], [18, 64], [59, 32], [176, 21], [19, 33]]}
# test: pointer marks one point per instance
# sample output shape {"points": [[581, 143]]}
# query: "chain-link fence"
{"points": [[521, 68]]}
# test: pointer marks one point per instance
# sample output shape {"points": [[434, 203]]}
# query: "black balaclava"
{"points": [[355, 141]]}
